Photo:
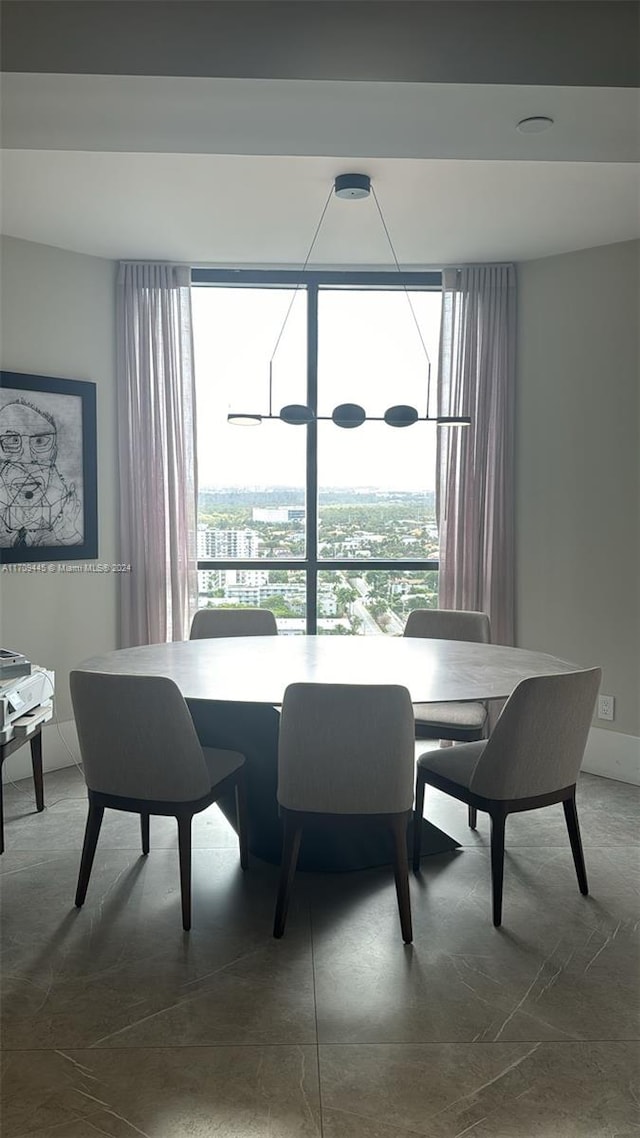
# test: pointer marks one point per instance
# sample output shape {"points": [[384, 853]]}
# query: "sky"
{"points": [[369, 353]]}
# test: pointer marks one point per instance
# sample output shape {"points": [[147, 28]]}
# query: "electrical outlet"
{"points": [[606, 705]]}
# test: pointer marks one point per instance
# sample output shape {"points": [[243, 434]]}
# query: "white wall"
{"points": [[58, 319], [577, 484]]}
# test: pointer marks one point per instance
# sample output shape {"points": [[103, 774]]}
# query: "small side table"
{"points": [[6, 749]]}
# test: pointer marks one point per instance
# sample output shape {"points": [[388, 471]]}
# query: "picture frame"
{"points": [[48, 469]]}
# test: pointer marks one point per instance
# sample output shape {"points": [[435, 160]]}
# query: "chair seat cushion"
{"points": [[221, 763], [456, 763], [472, 715]]}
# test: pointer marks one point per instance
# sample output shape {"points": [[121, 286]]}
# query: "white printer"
{"points": [[25, 699]]}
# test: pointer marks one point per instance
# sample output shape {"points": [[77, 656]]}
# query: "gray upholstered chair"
{"points": [[531, 760], [141, 753], [346, 752], [461, 722], [458, 722], [209, 623]]}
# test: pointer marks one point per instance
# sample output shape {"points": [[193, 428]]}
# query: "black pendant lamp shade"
{"points": [[297, 414]]}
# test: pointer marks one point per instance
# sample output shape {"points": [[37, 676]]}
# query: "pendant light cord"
{"points": [[300, 279], [295, 292], [406, 293]]}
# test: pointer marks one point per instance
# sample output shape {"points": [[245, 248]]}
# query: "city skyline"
{"points": [[393, 527]]}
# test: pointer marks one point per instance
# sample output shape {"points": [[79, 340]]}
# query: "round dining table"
{"points": [[234, 687]]}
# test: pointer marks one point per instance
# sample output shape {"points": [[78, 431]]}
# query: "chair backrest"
{"points": [[346, 749], [449, 624], [538, 743], [137, 737], [208, 623]]}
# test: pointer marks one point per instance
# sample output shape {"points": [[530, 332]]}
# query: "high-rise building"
{"points": [[225, 544]]}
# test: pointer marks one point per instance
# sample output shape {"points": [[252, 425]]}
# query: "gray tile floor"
{"points": [[115, 1022]]}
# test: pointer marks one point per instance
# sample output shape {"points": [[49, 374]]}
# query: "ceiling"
{"points": [[234, 210], [235, 170]]}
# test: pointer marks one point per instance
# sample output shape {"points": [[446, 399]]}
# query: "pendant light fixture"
{"points": [[352, 187]]}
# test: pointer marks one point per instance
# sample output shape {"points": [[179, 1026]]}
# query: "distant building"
{"points": [[225, 544], [297, 626], [282, 514], [256, 593], [247, 576], [210, 580]]}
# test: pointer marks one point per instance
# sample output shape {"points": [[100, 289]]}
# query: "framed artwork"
{"points": [[48, 471]]}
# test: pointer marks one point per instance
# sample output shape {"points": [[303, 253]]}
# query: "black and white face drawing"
{"points": [[38, 506]]}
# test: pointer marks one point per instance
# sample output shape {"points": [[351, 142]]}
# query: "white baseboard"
{"points": [[613, 755], [54, 753]]}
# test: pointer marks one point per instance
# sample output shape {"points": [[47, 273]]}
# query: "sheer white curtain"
{"points": [[157, 452], [475, 465]]}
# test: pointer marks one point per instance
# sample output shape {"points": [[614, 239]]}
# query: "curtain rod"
{"points": [[269, 268], [377, 268]]}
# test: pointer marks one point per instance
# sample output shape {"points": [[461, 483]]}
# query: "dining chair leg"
{"points": [[398, 825], [473, 817], [417, 821], [36, 765], [571, 818], [242, 818], [91, 834], [184, 854], [144, 830], [1, 815], [498, 821], [290, 850]]}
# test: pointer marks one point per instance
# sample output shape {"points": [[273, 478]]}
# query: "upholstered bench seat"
{"points": [[221, 763], [470, 715], [457, 763]]}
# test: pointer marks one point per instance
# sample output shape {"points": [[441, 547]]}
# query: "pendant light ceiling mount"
{"points": [[349, 187], [352, 186]]}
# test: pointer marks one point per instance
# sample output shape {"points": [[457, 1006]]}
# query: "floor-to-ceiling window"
{"points": [[332, 529]]}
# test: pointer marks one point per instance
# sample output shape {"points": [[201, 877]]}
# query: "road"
{"points": [[370, 627]]}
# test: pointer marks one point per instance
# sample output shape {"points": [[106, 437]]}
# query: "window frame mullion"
{"points": [[311, 501]]}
